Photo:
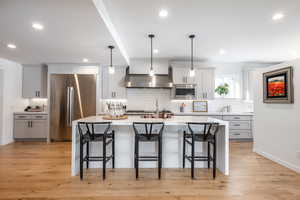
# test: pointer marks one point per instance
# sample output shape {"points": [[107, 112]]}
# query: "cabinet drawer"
{"points": [[240, 125], [37, 117], [22, 117], [236, 118], [33, 117], [240, 135], [216, 117]]}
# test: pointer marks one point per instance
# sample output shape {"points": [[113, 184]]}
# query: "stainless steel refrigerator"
{"points": [[72, 96]]}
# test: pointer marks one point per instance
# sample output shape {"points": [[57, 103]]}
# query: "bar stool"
{"points": [[205, 133], [96, 132], [148, 132]]}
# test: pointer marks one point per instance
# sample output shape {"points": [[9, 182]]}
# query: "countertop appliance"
{"points": [[185, 91], [72, 96]]}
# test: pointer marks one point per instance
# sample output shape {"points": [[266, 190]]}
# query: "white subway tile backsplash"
{"points": [[144, 99]]}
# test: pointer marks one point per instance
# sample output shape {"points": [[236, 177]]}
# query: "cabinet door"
{"points": [[34, 81], [118, 85], [38, 129], [21, 128], [205, 80], [180, 75], [199, 83], [113, 84], [208, 78]]}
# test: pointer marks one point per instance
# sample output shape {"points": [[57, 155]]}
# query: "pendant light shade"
{"points": [[151, 72], [192, 70], [111, 68]]}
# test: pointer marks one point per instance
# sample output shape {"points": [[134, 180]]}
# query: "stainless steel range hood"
{"points": [[164, 81]]}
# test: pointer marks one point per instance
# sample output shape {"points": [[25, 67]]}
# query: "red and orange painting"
{"points": [[277, 86]]}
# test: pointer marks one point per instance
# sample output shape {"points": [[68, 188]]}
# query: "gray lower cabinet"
{"points": [[240, 126], [30, 127]]}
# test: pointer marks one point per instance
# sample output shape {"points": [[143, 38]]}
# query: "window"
{"points": [[234, 82]]}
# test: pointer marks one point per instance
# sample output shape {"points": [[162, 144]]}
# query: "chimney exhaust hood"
{"points": [[159, 81]]}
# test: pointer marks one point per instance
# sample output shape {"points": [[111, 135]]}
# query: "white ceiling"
{"points": [[73, 30], [244, 28]]}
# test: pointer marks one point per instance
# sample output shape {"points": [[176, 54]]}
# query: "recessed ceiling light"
{"points": [[37, 26], [163, 13], [222, 52], [155, 51], [278, 16], [85, 60], [11, 46]]}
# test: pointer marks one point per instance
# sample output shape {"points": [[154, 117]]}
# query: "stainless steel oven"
{"points": [[185, 91]]}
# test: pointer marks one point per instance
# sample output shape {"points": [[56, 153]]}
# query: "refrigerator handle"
{"points": [[70, 103]]}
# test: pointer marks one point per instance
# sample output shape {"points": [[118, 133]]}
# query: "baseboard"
{"points": [[277, 160]]}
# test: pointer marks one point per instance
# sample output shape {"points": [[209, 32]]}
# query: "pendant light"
{"points": [[151, 72], [192, 70], [111, 68]]}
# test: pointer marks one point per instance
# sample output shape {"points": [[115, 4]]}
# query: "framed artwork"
{"points": [[278, 86], [200, 106]]}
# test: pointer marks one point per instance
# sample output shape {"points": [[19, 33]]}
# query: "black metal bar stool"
{"points": [[205, 133], [148, 132], [96, 132]]}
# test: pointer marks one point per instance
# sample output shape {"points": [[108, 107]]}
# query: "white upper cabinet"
{"points": [[204, 79], [34, 81], [181, 76], [113, 84]]}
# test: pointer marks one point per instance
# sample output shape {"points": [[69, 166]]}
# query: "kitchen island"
{"points": [[172, 143]]}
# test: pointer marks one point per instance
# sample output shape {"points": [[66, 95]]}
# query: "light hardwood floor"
{"points": [[42, 171]]}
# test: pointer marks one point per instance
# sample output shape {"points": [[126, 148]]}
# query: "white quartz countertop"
{"points": [[214, 113], [175, 120], [30, 113]]}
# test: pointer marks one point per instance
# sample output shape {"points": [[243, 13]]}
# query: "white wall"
{"points": [[277, 126], [12, 98], [1, 101]]}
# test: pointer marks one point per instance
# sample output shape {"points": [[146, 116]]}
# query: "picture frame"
{"points": [[278, 86], [200, 106]]}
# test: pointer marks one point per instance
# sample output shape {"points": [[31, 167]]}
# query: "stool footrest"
{"points": [[97, 158], [199, 158], [147, 158]]}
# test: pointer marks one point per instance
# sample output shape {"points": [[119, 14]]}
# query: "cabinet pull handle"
{"points": [[28, 123], [237, 125], [31, 123], [236, 134]]}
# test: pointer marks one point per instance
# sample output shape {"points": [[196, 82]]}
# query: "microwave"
{"points": [[185, 91]]}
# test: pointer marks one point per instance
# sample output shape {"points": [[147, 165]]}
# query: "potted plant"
{"points": [[222, 89]]}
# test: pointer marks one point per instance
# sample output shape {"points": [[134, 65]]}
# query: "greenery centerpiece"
{"points": [[222, 89]]}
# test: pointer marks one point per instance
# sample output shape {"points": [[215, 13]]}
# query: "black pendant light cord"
{"points": [[111, 48], [192, 51], [151, 36]]}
